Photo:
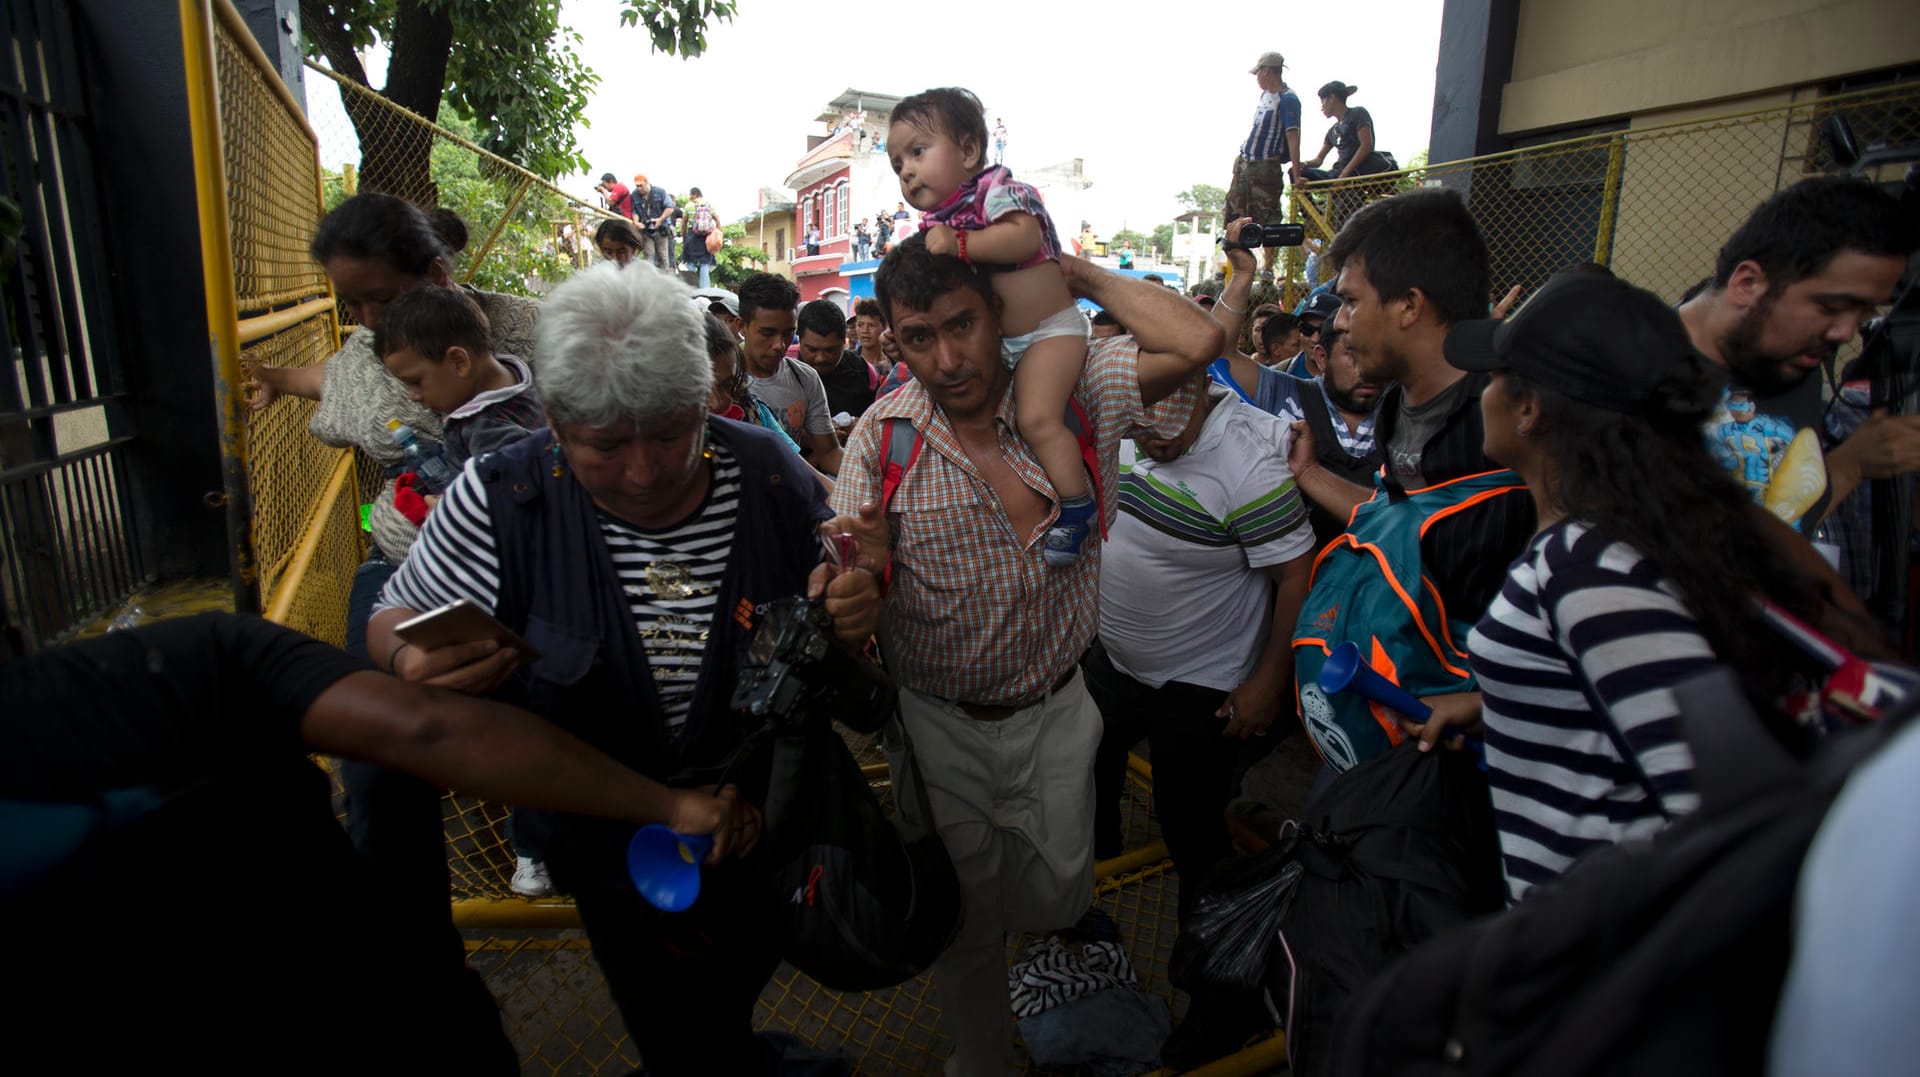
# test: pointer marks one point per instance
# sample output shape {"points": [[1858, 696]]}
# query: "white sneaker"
{"points": [[530, 879]]}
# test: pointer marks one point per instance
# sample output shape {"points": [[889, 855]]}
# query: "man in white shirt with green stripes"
{"points": [[1201, 580]]}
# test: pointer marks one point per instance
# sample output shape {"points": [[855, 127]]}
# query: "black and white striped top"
{"points": [[671, 575], [1577, 659]]}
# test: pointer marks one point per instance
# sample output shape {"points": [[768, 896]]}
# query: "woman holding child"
{"points": [[376, 248]]}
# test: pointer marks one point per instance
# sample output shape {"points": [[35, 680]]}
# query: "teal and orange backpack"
{"points": [[1369, 586]]}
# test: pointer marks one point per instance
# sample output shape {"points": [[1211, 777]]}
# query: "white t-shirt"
{"points": [[1181, 597], [798, 396]]}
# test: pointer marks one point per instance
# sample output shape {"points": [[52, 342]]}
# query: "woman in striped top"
{"points": [[1642, 574]]}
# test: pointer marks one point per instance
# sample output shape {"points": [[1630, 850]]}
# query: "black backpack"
{"points": [[862, 901], [1395, 851], [1663, 956]]}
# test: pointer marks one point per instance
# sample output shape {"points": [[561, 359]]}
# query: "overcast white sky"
{"points": [[1146, 94]]}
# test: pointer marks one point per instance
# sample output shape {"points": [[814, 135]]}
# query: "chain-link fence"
{"points": [[525, 234], [1653, 204]]}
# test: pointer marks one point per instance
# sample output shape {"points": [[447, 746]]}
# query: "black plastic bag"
{"points": [[1227, 936]]}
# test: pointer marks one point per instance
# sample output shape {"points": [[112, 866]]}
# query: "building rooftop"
{"points": [[862, 99], [772, 200]]}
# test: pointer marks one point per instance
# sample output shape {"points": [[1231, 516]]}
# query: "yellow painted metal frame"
{"points": [[216, 266], [280, 603], [1610, 199], [228, 332]]}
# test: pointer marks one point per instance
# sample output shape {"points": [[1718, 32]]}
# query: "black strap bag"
{"points": [[1658, 956], [863, 901], [1396, 851]]}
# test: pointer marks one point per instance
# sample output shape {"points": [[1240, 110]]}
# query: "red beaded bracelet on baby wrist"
{"points": [[960, 236]]}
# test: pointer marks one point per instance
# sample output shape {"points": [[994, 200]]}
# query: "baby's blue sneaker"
{"points": [[1069, 534]]}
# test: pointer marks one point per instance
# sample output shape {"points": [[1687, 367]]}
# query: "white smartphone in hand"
{"points": [[461, 621]]}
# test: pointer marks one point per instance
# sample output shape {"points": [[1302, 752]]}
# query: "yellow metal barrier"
{"points": [[217, 268], [267, 302]]}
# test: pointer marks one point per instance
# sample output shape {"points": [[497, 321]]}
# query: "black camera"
{"points": [[794, 675], [1266, 235]]}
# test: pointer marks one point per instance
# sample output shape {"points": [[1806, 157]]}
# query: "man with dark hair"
{"points": [[1409, 267], [984, 637], [1314, 312], [823, 345], [791, 388], [619, 199], [1257, 322], [1789, 288], [1278, 340], [868, 324]]}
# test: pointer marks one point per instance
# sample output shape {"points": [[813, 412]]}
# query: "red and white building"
{"points": [[842, 178]]}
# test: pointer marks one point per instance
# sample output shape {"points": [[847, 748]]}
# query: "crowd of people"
{"points": [[1075, 534], [646, 227]]}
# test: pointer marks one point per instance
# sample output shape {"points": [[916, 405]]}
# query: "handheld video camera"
{"points": [[794, 674], [1265, 235]]}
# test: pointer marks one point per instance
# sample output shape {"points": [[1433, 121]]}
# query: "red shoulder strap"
{"points": [[896, 459], [1082, 428]]}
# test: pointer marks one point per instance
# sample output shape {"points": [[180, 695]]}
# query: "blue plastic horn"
{"points": [[1345, 672], [665, 866]]}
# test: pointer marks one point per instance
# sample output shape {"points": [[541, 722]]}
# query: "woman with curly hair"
{"points": [[1646, 571]]}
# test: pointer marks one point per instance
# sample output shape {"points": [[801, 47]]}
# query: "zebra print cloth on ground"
{"points": [[1054, 972]]}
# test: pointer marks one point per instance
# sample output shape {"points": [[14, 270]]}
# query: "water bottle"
{"points": [[430, 464]]}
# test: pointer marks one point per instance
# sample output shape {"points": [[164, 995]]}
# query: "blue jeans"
{"points": [[706, 274], [393, 819]]}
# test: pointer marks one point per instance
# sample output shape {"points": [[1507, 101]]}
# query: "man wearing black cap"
{"points": [[1271, 150], [1409, 267], [1313, 313]]}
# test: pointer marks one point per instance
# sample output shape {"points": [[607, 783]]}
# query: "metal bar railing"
{"points": [[499, 226], [266, 325], [286, 591], [1609, 200], [223, 317]]}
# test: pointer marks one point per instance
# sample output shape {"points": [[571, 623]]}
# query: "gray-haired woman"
{"points": [[630, 546]]}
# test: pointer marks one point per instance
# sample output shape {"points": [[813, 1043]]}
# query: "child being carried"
{"points": [[937, 144]]}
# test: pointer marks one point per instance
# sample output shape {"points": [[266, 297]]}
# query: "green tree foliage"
{"points": [[507, 65], [1203, 198], [1416, 167], [1162, 239], [530, 254], [1125, 236]]}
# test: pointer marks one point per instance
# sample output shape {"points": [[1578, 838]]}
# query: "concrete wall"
{"points": [[1578, 63]]}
